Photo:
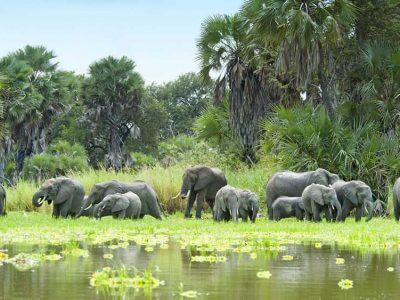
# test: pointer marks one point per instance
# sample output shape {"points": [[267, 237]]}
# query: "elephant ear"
{"points": [[120, 204], [351, 194], [64, 192], [320, 176], [318, 196], [245, 197], [202, 177], [300, 204]]}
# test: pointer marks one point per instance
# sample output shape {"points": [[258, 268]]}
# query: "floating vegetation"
{"points": [[3, 256], [345, 284], [340, 261], [208, 258], [75, 252], [164, 246], [121, 279], [108, 256], [149, 249], [53, 257], [253, 255], [264, 274], [189, 293], [287, 257], [23, 261], [119, 245], [318, 245], [390, 269]]}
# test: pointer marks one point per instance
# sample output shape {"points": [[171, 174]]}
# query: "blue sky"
{"points": [[159, 35]]}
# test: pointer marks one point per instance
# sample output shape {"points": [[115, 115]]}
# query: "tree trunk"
{"points": [[114, 157], [327, 101]]}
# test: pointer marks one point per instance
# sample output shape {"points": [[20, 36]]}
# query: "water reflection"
{"points": [[312, 274]]}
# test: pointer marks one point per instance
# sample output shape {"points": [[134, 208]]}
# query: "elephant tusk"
{"points": [[89, 206], [175, 197], [366, 210], [42, 200]]}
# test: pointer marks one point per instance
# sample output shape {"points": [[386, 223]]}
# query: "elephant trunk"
{"points": [[338, 208], [369, 207], [255, 212], [38, 199], [233, 209], [87, 204]]}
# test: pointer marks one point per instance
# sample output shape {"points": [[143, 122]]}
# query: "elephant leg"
{"points": [[64, 210], [358, 214], [345, 210], [56, 211], [199, 207], [189, 204], [299, 214], [210, 203], [276, 216], [121, 214], [316, 212], [396, 207], [244, 214], [307, 216]]}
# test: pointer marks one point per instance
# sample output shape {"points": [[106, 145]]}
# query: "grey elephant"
{"points": [[65, 193], [287, 207], [148, 197], [396, 199], [233, 203], [120, 206], [201, 182], [291, 184], [3, 201], [354, 194], [317, 198]]}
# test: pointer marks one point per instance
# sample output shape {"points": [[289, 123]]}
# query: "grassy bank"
{"points": [[166, 182], [206, 235]]}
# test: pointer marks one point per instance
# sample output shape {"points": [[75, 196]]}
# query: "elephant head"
{"points": [[112, 203], [52, 190], [195, 178], [324, 177], [358, 193], [328, 197], [250, 204], [98, 192]]}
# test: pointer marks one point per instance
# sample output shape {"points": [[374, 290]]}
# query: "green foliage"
{"points": [[304, 138], [59, 159], [142, 160]]}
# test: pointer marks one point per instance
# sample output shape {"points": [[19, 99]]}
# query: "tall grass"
{"points": [[166, 182]]}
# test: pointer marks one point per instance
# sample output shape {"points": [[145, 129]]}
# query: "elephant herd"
{"points": [[305, 196]]}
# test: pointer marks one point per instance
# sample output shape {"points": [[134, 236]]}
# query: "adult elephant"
{"points": [[119, 206], [147, 195], [354, 194], [66, 193], [291, 184], [3, 201], [396, 199], [201, 182], [317, 198]]}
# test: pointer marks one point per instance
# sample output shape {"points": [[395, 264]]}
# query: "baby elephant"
{"points": [[121, 206], [317, 197], [287, 207], [233, 203]]}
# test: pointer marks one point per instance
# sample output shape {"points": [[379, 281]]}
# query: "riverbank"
{"points": [[40, 228]]}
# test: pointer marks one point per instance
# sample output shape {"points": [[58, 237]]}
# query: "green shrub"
{"points": [[141, 160], [59, 159], [304, 138]]}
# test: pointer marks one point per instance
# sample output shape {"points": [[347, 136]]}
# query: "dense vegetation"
{"points": [[302, 84]]}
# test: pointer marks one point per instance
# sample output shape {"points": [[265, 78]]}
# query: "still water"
{"points": [[312, 274]]}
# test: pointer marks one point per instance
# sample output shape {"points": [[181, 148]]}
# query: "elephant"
{"points": [[317, 197], [396, 200], [3, 201], [120, 206], [287, 207], [354, 194], [147, 195], [201, 182], [66, 193], [233, 203], [291, 184]]}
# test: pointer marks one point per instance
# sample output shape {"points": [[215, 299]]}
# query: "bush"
{"points": [[58, 160], [304, 138], [141, 160]]}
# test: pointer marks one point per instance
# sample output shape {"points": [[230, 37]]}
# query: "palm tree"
{"points": [[306, 32], [112, 94], [223, 48], [35, 94]]}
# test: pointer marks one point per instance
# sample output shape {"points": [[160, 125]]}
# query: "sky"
{"points": [[159, 35]]}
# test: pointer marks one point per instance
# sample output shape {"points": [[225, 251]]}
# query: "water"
{"points": [[312, 274]]}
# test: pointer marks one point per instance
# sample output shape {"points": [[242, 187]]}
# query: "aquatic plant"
{"points": [[264, 274], [345, 284]]}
